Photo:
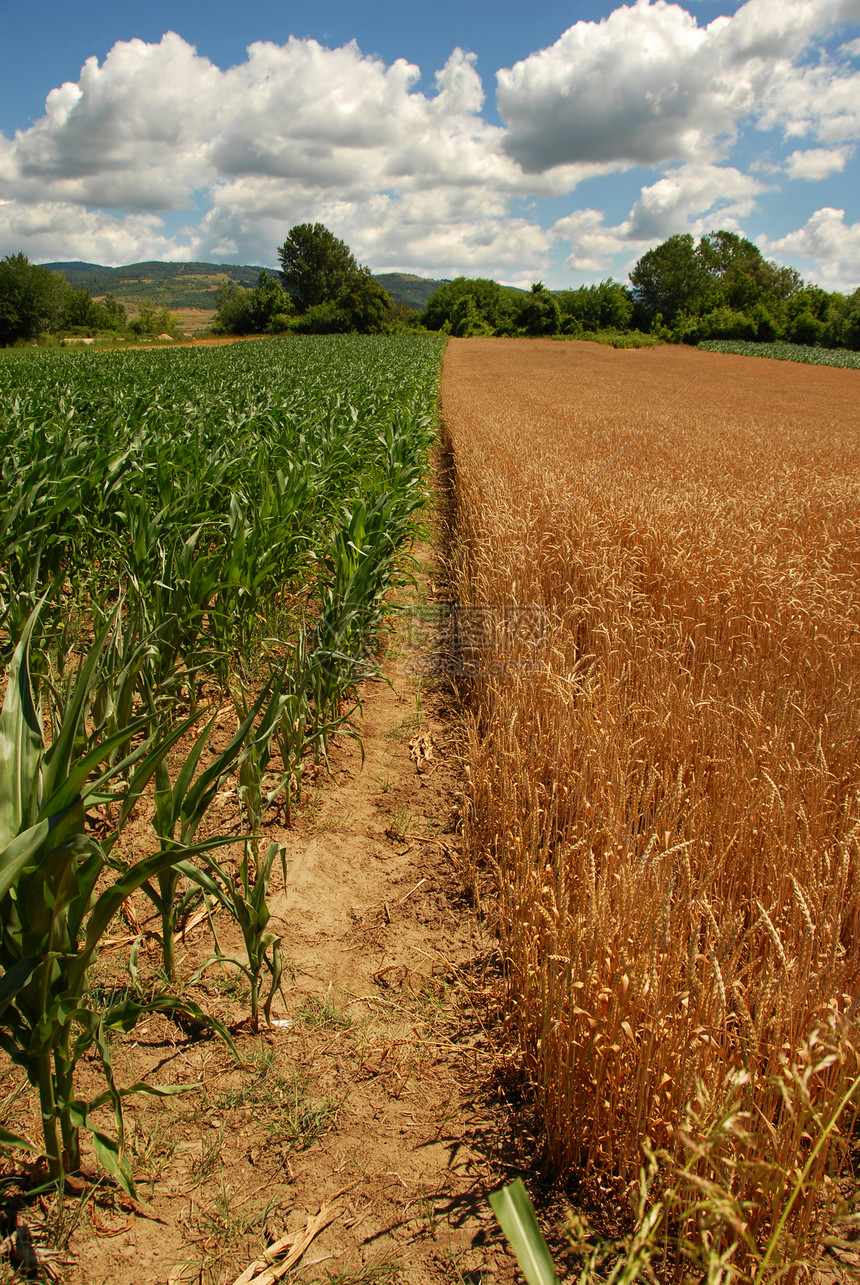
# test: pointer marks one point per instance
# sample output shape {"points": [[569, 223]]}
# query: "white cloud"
{"points": [[595, 247], [128, 134], [692, 198], [821, 102], [817, 163], [681, 200], [52, 230], [154, 123], [647, 84], [442, 232], [828, 243], [424, 181]]}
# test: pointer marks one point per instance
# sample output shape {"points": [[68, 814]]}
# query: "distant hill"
{"points": [[171, 285], [406, 288], [193, 285]]}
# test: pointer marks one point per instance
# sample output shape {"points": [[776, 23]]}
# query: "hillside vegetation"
{"points": [[194, 285]]}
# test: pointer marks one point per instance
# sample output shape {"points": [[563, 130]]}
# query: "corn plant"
{"points": [[52, 914], [292, 731], [244, 897], [803, 353], [180, 806]]}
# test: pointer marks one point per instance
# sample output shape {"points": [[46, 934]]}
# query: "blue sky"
{"points": [[549, 141]]}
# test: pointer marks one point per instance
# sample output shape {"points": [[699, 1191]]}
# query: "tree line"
{"points": [[682, 291], [322, 290], [35, 301]]}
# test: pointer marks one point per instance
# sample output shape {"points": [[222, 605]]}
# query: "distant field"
{"points": [[839, 357], [195, 320]]}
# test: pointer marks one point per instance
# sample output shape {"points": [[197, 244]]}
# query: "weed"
{"points": [[379, 1270], [323, 1015], [209, 1159], [401, 824], [152, 1145], [228, 1235], [281, 1103], [301, 1120]]}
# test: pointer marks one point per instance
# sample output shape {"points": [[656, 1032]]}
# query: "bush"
{"points": [[768, 327], [264, 310], [720, 323], [153, 320], [31, 299], [538, 312], [493, 303], [803, 329], [466, 320], [323, 319], [607, 306]]}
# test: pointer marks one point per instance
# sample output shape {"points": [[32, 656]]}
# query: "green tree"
{"points": [[268, 301], [77, 310], [81, 314], [670, 279], [231, 308], [366, 303], [684, 281], [607, 306], [260, 311], [152, 319], [315, 266], [115, 312], [402, 318], [741, 276], [466, 320], [324, 319], [538, 312], [844, 321], [31, 299], [493, 304]]}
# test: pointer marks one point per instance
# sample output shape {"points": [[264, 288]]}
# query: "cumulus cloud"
{"points": [[128, 135], [648, 85], [821, 102], [817, 162], [680, 201], [153, 123], [442, 232], [298, 131], [827, 242], [692, 198], [595, 247], [51, 230], [423, 181]]}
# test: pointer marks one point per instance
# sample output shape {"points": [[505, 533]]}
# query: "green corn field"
{"points": [[177, 529]]}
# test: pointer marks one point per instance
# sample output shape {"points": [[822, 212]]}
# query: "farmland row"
{"points": [[658, 560], [176, 527], [220, 476]]}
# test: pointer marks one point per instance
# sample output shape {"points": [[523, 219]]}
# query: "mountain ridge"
{"points": [[194, 284]]}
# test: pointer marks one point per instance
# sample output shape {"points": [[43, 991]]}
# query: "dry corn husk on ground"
{"points": [[661, 553]]}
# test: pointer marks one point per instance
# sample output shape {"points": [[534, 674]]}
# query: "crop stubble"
{"points": [[664, 770]]}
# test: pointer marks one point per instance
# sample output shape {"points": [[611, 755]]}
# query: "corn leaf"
{"points": [[20, 744], [516, 1217]]}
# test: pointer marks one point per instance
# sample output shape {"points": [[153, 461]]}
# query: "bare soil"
{"points": [[374, 1098]]}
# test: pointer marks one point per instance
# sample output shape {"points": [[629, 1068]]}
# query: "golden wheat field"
{"points": [[664, 768]]}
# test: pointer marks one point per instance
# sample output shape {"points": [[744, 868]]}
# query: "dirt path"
{"points": [[373, 1099]]}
